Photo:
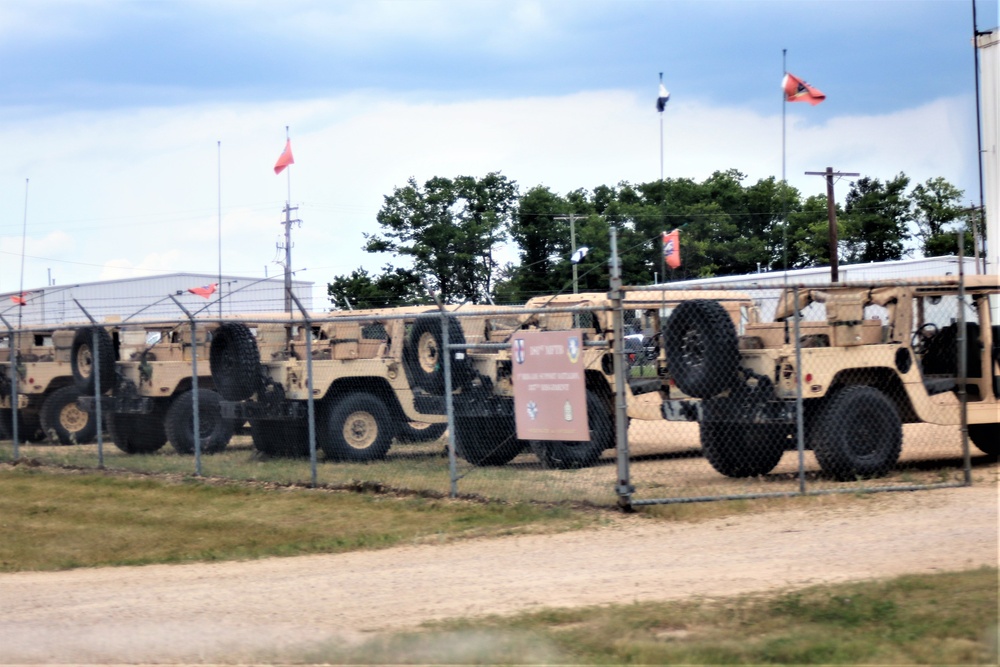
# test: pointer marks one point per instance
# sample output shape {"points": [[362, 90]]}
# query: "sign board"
{"points": [[550, 397]]}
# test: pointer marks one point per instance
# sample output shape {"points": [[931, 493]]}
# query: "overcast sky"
{"points": [[111, 113]]}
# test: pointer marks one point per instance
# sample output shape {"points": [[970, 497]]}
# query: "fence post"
{"points": [[13, 377], [449, 402], [196, 405], [800, 430], [95, 350], [310, 403], [624, 488], [963, 370]]}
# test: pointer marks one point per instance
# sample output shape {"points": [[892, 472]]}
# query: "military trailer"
{"points": [[880, 356]]}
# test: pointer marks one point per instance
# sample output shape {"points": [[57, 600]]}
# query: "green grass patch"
{"points": [[948, 618], [52, 521]]}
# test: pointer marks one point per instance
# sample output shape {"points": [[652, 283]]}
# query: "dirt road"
{"points": [[222, 611]]}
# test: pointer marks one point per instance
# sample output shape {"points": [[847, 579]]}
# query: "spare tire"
{"points": [[702, 348], [84, 360], [423, 357], [235, 361]]}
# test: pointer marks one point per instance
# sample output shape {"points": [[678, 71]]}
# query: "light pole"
{"points": [[572, 217]]}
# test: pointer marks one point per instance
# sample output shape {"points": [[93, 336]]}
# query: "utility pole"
{"points": [[831, 211], [572, 217], [288, 254]]}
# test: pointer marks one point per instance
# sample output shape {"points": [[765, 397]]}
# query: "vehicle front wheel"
{"points": [[139, 434], [356, 428], [63, 421], [564, 454], [215, 431], [487, 441], [986, 437]]}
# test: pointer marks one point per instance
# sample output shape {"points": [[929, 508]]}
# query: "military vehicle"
{"points": [[880, 356]]}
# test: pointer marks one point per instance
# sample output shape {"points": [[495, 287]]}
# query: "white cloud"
{"points": [[132, 193]]}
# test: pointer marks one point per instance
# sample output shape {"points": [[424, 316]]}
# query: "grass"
{"points": [[948, 618], [67, 520]]}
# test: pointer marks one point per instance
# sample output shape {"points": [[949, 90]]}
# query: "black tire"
{"points": [[235, 361], [739, 449], [280, 439], [422, 355], [420, 431], [63, 421], [215, 431], [83, 359], [565, 454], [702, 348], [29, 425], [139, 434], [487, 441], [356, 428], [986, 437], [858, 434]]}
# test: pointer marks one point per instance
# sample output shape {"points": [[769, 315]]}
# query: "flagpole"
{"points": [[661, 134], [24, 236], [218, 162], [784, 185], [289, 200]]}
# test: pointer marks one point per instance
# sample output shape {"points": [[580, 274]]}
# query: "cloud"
{"points": [[137, 192]]}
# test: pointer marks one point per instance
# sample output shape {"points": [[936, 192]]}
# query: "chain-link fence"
{"points": [[686, 394]]}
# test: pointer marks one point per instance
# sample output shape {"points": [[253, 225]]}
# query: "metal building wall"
{"points": [[149, 298]]}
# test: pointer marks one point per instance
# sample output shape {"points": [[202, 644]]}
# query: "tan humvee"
{"points": [[146, 376], [882, 355], [377, 375], [48, 407], [484, 418]]}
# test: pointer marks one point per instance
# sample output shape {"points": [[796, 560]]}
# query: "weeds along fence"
{"points": [[680, 395]]}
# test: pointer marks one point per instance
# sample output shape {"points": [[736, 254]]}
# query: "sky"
{"points": [[140, 136]]}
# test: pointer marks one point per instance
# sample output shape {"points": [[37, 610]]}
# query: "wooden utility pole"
{"points": [[831, 211]]}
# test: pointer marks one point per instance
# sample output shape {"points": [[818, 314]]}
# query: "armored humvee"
{"points": [[48, 405], [377, 376], [879, 356], [146, 385], [484, 411]]}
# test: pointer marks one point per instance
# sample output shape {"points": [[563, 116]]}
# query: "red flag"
{"points": [[797, 90], [205, 291], [672, 248], [19, 300], [285, 158]]}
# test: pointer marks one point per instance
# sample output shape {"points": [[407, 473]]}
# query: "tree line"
{"points": [[451, 232]]}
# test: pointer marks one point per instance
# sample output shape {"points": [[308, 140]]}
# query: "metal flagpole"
{"points": [[661, 134], [784, 185], [219, 181]]}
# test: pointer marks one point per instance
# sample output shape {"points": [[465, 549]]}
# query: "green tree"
{"points": [[450, 229], [876, 219], [936, 208], [360, 289]]}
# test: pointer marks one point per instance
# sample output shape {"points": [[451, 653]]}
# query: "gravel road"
{"points": [[233, 610]]}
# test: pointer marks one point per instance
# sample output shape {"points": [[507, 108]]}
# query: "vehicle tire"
{"points": [[235, 361], [62, 420], [215, 431], [422, 352], [420, 431], [139, 434], [702, 348], [29, 426], [487, 441], [986, 437], [858, 434], [355, 428], [83, 359], [280, 439], [565, 454]]}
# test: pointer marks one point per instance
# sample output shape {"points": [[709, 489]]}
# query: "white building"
{"points": [[150, 298]]}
